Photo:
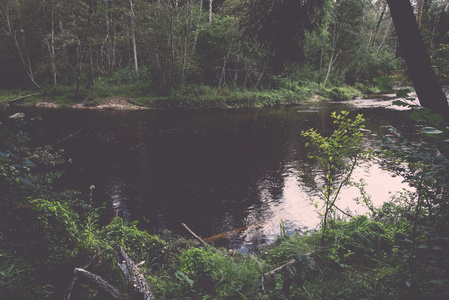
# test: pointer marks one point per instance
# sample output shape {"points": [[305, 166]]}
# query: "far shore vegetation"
{"points": [[191, 97]]}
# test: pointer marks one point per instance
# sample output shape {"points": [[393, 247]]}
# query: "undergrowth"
{"points": [[399, 251]]}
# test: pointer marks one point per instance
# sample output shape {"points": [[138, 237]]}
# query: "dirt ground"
{"points": [[104, 104]]}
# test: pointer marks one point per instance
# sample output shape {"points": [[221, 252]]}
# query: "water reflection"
{"points": [[216, 171]]}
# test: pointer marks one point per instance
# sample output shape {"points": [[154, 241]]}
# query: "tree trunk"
{"points": [[186, 40], [384, 39], [133, 36], [82, 47], [380, 21], [107, 40], [334, 55], [171, 47], [11, 33], [419, 12], [222, 81], [210, 11], [51, 46], [425, 82]]}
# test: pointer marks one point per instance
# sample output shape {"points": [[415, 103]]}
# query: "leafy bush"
{"points": [[212, 273], [336, 157], [138, 244], [359, 242], [341, 93]]}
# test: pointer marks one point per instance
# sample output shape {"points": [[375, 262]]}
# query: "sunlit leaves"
{"points": [[336, 156], [383, 83]]}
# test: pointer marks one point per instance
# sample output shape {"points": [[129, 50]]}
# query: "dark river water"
{"points": [[215, 171]]}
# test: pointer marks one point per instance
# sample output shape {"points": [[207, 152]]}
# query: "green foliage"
{"points": [[369, 63], [211, 273], [423, 213], [355, 259], [213, 45], [18, 175], [336, 157], [359, 242], [340, 93], [139, 244], [281, 26], [8, 95]]}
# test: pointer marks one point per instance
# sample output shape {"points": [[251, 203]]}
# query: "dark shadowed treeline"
{"points": [[167, 44]]}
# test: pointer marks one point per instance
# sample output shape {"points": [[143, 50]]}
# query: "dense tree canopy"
{"points": [[281, 26], [166, 45]]}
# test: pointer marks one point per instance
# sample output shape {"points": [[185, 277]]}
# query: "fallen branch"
{"points": [[132, 273], [282, 267], [194, 235], [272, 272], [23, 97], [100, 283], [68, 293]]}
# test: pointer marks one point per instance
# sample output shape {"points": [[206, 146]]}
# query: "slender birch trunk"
{"points": [[11, 33], [334, 55], [51, 46], [381, 18], [133, 36], [186, 39], [387, 32], [195, 39], [210, 11]]}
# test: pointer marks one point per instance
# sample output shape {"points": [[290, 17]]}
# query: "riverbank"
{"points": [[192, 97]]}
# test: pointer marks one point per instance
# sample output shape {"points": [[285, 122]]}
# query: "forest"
{"points": [[143, 49], [57, 243]]}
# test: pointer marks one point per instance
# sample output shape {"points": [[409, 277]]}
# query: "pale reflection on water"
{"points": [[296, 212]]}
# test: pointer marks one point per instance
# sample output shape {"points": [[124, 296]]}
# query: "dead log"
{"points": [[100, 283], [132, 273], [234, 232], [23, 97], [194, 235]]}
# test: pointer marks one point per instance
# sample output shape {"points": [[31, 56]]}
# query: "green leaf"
{"points": [[383, 83], [402, 93], [184, 277], [432, 131], [435, 118], [416, 115], [400, 103], [30, 163], [440, 282], [424, 247], [25, 180]]}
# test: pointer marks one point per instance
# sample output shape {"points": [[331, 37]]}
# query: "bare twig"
{"points": [[282, 267], [194, 235], [67, 137], [100, 283], [68, 293]]}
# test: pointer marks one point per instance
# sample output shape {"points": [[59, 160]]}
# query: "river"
{"points": [[214, 170]]}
